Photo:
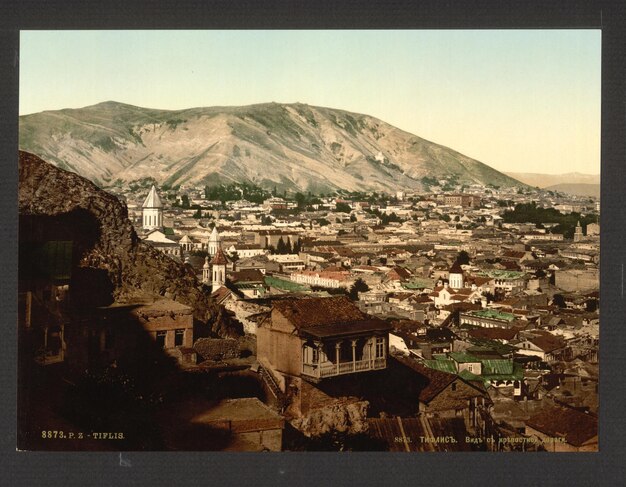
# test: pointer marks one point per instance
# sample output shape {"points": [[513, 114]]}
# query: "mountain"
{"points": [[546, 180], [577, 189], [287, 146]]}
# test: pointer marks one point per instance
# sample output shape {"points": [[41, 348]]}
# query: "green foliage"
{"points": [[184, 201], [359, 286], [530, 213], [236, 192], [463, 258], [558, 300], [445, 217], [343, 207], [174, 122]]}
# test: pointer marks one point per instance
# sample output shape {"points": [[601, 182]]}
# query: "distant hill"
{"points": [[283, 146], [577, 189], [546, 180]]}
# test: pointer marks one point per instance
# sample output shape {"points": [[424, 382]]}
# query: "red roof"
{"points": [[219, 258], [575, 426], [319, 311]]}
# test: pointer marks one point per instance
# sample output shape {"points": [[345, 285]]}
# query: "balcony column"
{"points": [[337, 349], [353, 355], [318, 369]]}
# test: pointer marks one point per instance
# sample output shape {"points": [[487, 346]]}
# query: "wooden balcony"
{"points": [[327, 369]]}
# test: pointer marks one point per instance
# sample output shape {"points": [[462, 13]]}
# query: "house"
{"points": [[445, 295], [169, 323], [564, 429], [317, 338], [160, 241], [447, 395], [544, 345], [249, 282]]}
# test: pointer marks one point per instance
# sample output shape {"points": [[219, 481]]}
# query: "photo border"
{"points": [[317, 468]]}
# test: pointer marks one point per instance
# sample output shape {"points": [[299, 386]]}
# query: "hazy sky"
{"points": [[517, 100]]}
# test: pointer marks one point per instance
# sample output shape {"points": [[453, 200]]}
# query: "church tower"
{"points": [[152, 211], [455, 276], [215, 242], [218, 268], [578, 233], [206, 271]]}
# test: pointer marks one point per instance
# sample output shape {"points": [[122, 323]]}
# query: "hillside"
{"points": [[287, 146], [546, 180], [577, 189]]}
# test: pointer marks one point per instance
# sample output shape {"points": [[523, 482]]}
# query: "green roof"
{"points": [[516, 372], [492, 314], [285, 285], [462, 357], [441, 365], [497, 367], [418, 284], [501, 274]]}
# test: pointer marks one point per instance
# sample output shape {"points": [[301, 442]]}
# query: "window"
{"points": [[160, 339], [315, 355], [453, 386], [470, 367], [179, 336], [380, 347]]}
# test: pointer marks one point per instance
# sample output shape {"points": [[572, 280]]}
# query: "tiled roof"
{"points": [[493, 333], [309, 312], [247, 275], [576, 427], [219, 258], [437, 380]]}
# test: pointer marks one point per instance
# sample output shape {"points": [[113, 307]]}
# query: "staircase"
{"points": [[272, 384]]}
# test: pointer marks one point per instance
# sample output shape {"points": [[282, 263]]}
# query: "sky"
{"points": [[517, 100]]}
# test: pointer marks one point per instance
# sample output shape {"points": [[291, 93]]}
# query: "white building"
{"points": [[152, 211]]}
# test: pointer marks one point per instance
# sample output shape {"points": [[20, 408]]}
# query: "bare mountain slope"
{"points": [[294, 147]]}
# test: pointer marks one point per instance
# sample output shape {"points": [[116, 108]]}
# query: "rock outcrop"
{"points": [[343, 417], [105, 239]]}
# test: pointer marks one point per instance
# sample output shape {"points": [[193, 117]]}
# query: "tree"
{"points": [[185, 201], [359, 286], [300, 200], [558, 300], [288, 248], [297, 247], [445, 217], [343, 207], [591, 305], [281, 248], [463, 258], [197, 214]]}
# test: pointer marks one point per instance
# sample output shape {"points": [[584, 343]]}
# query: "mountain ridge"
{"points": [[288, 146]]}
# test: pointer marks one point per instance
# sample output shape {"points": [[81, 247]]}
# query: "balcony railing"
{"points": [[331, 370]]}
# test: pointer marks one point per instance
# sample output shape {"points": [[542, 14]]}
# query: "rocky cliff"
{"points": [[105, 240]]}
